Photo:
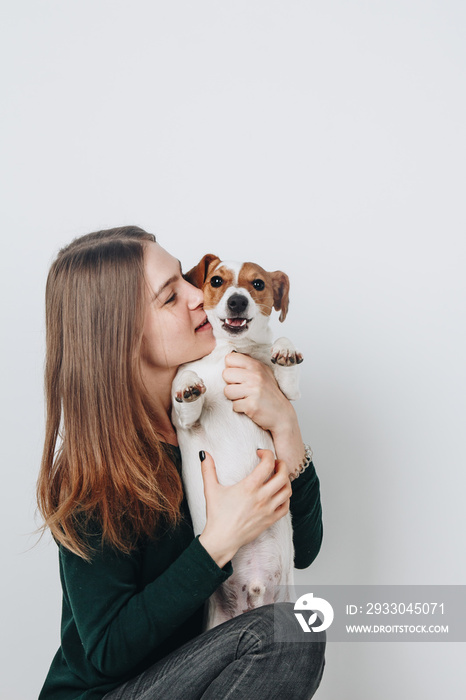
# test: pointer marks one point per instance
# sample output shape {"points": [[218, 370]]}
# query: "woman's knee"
{"points": [[274, 631], [304, 651], [276, 623]]}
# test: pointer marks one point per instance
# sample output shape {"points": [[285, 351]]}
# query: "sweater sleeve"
{"points": [[120, 625], [306, 517]]}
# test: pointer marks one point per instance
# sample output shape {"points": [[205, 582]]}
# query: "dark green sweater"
{"points": [[121, 613]]}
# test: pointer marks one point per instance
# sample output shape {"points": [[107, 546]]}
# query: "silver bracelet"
{"points": [[304, 464]]}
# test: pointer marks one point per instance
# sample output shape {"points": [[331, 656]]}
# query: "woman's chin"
{"points": [[208, 343]]}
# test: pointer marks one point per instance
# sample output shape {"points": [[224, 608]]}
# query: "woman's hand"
{"points": [[253, 389], [237, 514]]}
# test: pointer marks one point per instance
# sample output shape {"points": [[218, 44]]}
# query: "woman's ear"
{"points": [[197, 275], [281, 293]]}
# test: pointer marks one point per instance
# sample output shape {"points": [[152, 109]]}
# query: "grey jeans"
{"points": [[239, 659]]}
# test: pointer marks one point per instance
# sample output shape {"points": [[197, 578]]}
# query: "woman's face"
{"points": [[174, 329]]}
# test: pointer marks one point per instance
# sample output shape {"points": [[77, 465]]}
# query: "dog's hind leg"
{"points": [[219, 607]]}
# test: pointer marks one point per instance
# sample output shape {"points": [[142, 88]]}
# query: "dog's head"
{"points": [[239, 297]]}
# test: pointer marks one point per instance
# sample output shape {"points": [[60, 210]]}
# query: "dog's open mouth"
{"points": [[236, 325]]}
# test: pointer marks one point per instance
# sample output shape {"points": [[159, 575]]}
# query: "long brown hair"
{"points": [[110, 467]]}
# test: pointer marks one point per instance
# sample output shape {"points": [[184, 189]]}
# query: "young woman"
{"points": [[120, 319]]}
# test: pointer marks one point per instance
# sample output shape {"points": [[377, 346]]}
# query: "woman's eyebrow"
{"points": [[172, 279]]}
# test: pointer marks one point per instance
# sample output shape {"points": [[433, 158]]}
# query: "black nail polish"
{"points": [[202, 455]]}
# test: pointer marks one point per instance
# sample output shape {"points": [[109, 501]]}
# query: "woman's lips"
{"points": [[204, 326]]}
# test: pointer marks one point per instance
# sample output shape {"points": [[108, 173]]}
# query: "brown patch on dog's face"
{"points": [[216, 283], [198, 274], [259, 283], [276, 290]]}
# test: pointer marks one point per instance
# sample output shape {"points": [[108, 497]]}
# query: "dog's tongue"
{"points": [[236, 322]]}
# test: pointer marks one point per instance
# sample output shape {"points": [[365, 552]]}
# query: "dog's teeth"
{"points": [[236, 322]]}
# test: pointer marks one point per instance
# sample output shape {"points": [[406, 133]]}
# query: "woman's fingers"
{"points": [[280, 481], [264, 470], [281, 498], [252, 371], [236, 375], [270, 476], [243, 369], [238, 359], [235, 391], [209, 473], [253, 390]]}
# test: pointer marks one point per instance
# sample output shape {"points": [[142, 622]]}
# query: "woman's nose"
{"points": [[196, 297]]}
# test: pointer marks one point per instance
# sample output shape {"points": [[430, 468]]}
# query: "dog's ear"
{"points": [[281, 293], [197, 275]]}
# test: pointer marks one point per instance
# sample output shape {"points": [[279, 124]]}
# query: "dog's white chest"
{"points": [[208, 422]]}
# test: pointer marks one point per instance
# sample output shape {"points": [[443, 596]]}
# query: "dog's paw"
{"points": [[287, 359], [284, 353], [189, 388]]}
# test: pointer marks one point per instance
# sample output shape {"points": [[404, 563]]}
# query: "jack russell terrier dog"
{"points": [[238, 300]]}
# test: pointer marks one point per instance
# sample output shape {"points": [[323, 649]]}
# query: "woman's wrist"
{"points": [[286, 420], [303, 465], [288, 441], [218, 553]]}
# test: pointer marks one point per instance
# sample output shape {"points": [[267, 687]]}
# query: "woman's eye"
{"points": [[216, 281], [172, 298], [258, 284]]}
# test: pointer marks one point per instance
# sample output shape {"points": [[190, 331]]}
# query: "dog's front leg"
{"points": [[286, 359], [187, 398]]}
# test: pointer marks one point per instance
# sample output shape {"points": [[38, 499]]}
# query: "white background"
{"points": [[324, 138]]}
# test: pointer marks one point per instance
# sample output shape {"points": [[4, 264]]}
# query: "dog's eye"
{"points": [[216, 281], [258, 284]]}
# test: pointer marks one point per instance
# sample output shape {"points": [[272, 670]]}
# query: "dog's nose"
{"points": [[237, 303]]}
